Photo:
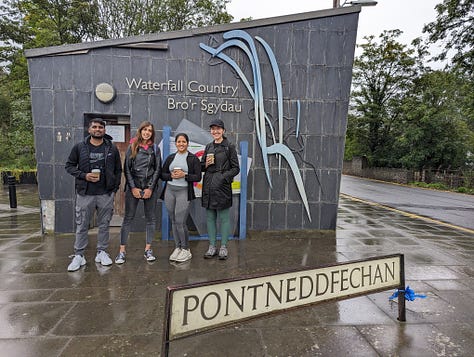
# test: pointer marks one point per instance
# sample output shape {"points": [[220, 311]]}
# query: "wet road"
{"points": [[450, 207]]}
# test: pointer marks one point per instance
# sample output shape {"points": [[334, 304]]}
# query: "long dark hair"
{"points": [[139, 139]]}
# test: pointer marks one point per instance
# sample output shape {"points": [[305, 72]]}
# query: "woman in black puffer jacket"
{"points": [[220, 165], [142, 169]]}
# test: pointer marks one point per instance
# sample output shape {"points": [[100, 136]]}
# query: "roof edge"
{"points": [[163, 36]]}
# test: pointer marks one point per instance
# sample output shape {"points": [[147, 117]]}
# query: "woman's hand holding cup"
{"points": [[209, 159], [177, 173]]}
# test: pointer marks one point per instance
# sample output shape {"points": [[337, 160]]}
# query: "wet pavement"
{"points": [[118, 310]]}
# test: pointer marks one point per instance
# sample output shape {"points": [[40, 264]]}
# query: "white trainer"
{"points": [[103, 258], [184, 255], [175, 254], [77, 261]]}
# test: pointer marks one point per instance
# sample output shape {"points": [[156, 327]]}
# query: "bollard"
{"points": [[12, 190]]}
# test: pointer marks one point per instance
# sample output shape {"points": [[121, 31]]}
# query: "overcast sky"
{"points": [[406, 15]]}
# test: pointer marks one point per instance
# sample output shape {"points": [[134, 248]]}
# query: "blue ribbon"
{"points": [[409, 294]]}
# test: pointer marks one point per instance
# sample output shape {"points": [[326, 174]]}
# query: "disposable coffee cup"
{"points": [[211, 157], [96, 173]]}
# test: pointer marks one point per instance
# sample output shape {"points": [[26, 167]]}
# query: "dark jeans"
{"points": [[131, 204]]}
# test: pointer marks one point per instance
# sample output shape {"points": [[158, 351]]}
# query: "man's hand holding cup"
{"points": [[93, 176]]}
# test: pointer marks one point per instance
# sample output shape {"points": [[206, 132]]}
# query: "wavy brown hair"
{"points": [[139, 139]]}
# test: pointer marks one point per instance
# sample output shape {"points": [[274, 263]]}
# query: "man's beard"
{"points": [[97, 136]]}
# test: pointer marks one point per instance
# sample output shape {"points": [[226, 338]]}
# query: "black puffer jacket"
{"points": [[144, 170], [78, 165], [217, 181]]}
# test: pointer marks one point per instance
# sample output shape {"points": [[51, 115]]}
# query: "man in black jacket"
{"points": [[95, 163]]}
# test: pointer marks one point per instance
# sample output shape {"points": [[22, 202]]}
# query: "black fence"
{"points": [[445, 177], [450, 178]]}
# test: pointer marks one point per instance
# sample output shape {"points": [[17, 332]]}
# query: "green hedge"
{"points": [[21, 176]]}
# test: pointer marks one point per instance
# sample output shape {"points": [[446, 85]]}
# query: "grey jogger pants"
{"points": [[85, 207]]}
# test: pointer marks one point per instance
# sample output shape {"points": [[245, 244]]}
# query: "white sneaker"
{"points": [[175, 254], [223, 253], [184, 255], [77, 261], [211, 252], [103, 258]]}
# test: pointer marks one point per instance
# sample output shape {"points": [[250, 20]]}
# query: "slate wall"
{"points": [[315, 58]]}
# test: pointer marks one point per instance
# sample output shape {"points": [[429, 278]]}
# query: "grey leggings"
{"points": [[177, 205]]}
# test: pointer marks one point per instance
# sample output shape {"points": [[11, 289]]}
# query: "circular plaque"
{"points": [[105, 92]]}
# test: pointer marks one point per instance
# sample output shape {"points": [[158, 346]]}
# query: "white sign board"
{"points": [[117, 132], [203, 306]]}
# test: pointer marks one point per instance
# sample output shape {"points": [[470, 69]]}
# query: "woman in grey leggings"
{"points": [[180, 171]]}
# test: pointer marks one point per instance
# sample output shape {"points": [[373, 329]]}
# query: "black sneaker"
{"points": [[149, 255]]}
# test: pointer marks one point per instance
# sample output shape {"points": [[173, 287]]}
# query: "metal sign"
{"points": [[195, 308]]}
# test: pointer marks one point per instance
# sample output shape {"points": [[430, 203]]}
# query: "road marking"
{"points": [[406, 185], [408, 214]]}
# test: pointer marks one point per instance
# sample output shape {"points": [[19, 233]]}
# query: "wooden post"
{"points": [[401, 293]]}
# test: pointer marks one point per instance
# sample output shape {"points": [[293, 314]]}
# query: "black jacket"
{"points": [[217, 181], [193, 175], [143, 171], [78, 165]]}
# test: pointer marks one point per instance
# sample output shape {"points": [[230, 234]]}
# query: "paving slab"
{"points": [[119, 310]]}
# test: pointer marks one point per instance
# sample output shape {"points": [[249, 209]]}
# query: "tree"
{"points": [[381, 76], [5, 112], [197, 13], [435, 125], [122, 18], [41, 23], [454, 27], [403, 114]]}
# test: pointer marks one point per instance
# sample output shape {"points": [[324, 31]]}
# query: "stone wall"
{"points": [[358, 167]]}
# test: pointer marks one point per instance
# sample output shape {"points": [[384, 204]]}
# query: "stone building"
{"points": [[280, 84]]}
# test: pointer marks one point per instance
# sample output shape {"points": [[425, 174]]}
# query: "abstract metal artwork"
{"points": [[243, 41]]}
